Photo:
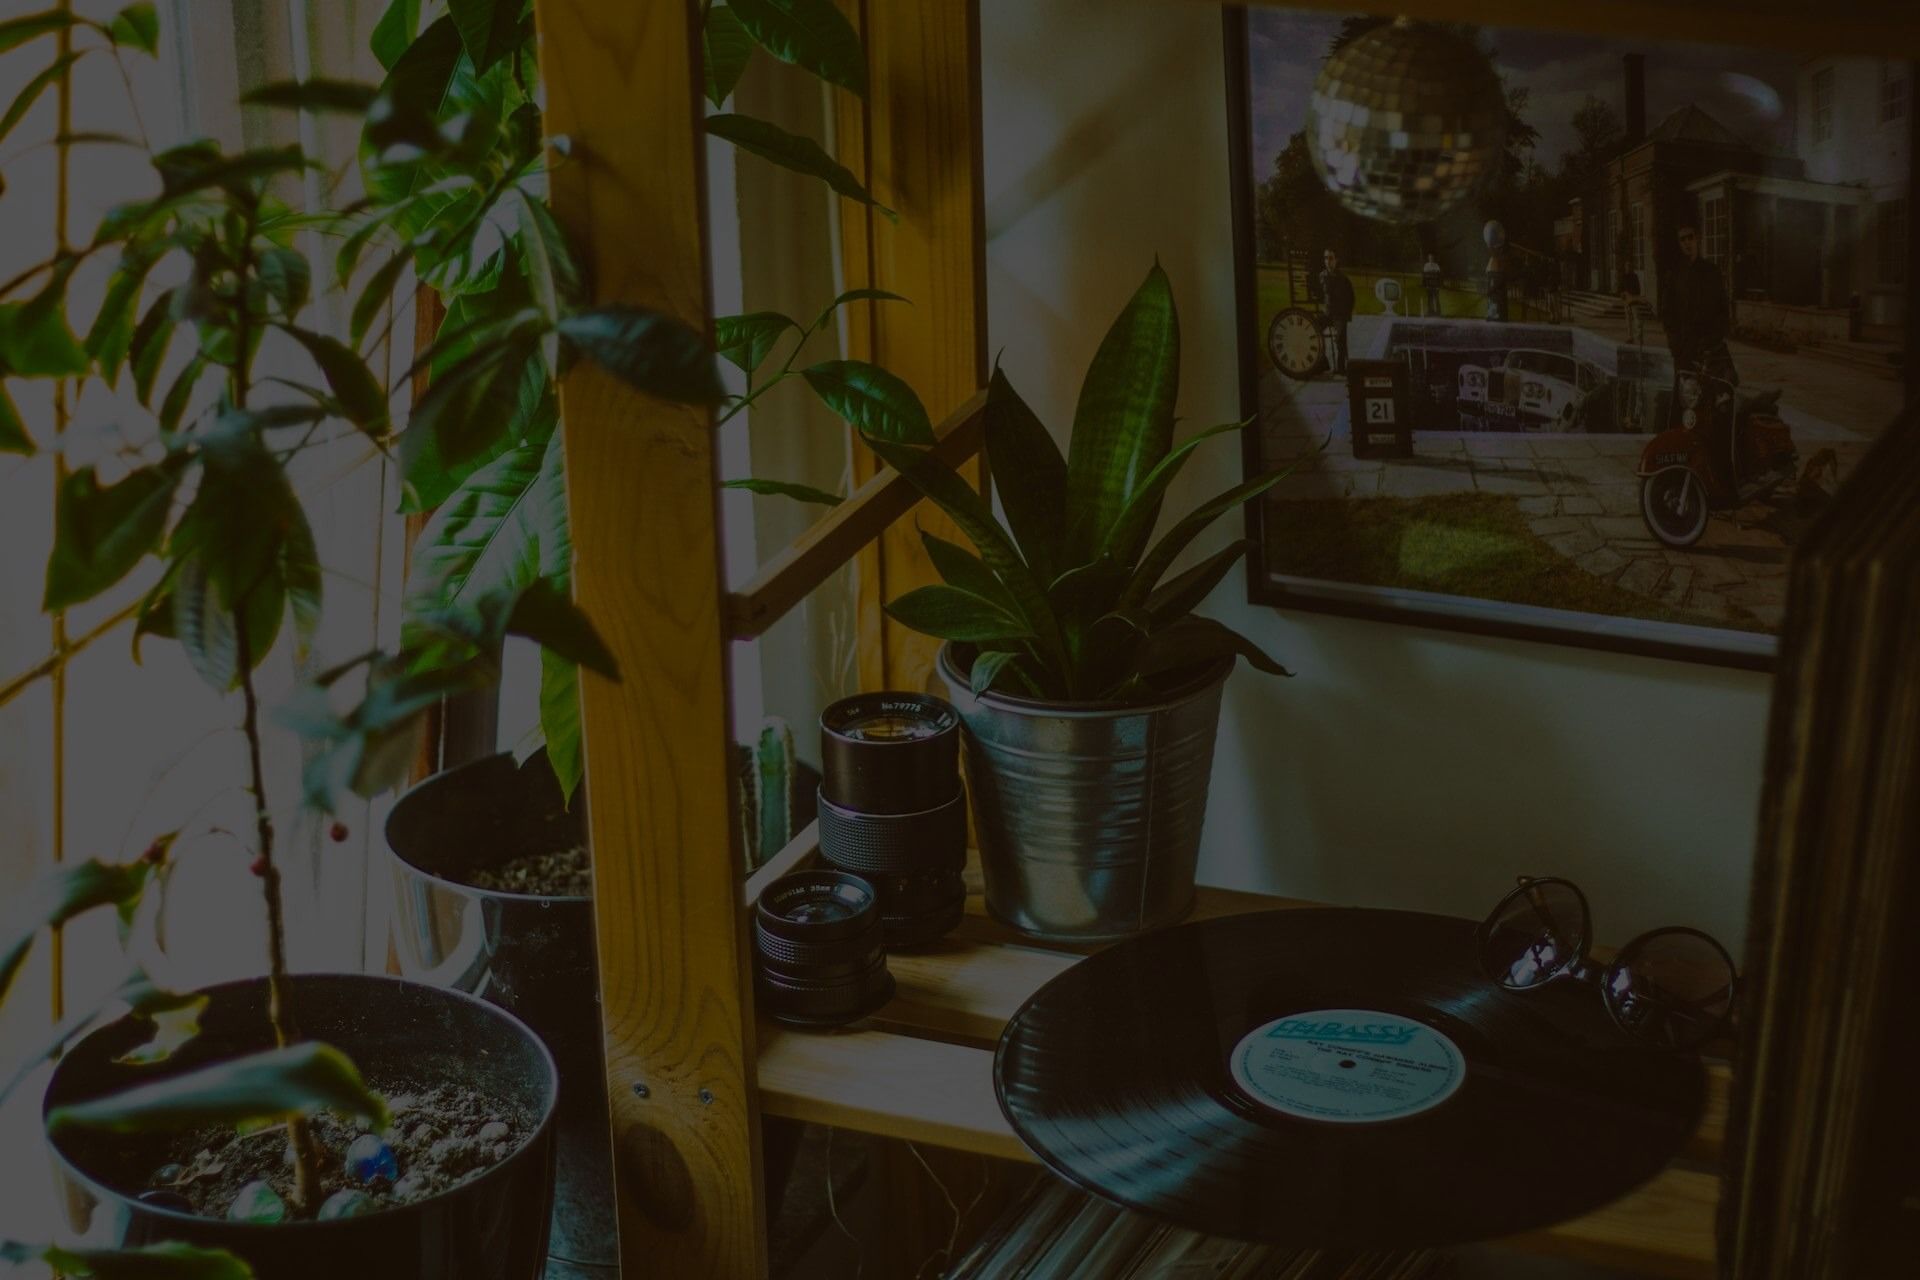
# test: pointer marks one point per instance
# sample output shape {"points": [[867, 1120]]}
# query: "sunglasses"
{"points": [[1672, 987]]}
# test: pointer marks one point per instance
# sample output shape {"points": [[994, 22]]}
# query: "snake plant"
{"points": [[1069, 600]]}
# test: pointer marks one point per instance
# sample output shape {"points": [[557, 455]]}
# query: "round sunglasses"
{"points": [[1671, 987]]}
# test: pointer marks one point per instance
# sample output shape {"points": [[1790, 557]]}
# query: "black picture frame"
{"points": [[1722, 647]]}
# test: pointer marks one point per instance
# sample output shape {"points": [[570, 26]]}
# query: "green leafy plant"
{"points": [[1067, 601]]}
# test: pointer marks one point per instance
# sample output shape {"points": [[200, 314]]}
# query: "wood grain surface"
{"points": [[623, 86]]}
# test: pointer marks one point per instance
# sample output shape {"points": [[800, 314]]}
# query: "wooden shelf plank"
{"points": [[837, 537]]}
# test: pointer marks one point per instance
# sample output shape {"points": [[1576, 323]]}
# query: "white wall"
{"points": [[1401, 767]]}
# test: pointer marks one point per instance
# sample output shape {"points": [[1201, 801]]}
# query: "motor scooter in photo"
{"points": [[1722, 449]]}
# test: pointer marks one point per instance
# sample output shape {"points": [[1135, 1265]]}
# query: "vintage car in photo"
{"points": [[1541, 390]]}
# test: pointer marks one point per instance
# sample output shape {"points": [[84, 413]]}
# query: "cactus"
{"points": [[766, 785]]}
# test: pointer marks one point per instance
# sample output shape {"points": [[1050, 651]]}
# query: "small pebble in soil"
{"points": [[409, 1187], [257, 1202], [559, 873], [493, 1131], [168, 1174], [166, 1200], [348, 1204], [369, 1157]]}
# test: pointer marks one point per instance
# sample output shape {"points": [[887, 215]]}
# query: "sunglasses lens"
{"points": [[1540, 930], [1671, 988]]}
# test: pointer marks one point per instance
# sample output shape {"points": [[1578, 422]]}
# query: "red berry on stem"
{"points": [[258, 866], [338, 832]]}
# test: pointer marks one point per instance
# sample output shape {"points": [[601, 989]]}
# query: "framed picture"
{"points": [[1586, 329]]}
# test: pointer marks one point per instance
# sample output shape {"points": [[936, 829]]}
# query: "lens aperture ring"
{"points": [[855, 952], [895, 844]]}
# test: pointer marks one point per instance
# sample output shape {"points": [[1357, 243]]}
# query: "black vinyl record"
{"points": [[1336, 1078]]}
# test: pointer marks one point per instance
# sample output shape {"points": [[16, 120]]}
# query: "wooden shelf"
{"points": [[925, 1072]]}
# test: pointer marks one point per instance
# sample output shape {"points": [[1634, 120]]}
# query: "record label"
{"points": [[1350, 1066]]}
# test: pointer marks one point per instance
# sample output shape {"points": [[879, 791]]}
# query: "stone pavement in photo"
{"points": [[1579, 493]]}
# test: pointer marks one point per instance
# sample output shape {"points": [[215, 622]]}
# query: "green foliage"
{"points": [[273, 1084], [786, 489], [809, 33], [136, 27], [726, 48], [59, 895], [1066, 601], [791, 151], [151, 1262]]}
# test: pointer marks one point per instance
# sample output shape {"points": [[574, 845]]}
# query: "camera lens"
{"points": [[817, 944], [892, 808]]}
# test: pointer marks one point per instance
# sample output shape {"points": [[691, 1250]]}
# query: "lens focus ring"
{"points": [[906, 843]]}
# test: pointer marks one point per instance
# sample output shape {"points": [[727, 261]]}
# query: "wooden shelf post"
{"points": [[623, 86]]}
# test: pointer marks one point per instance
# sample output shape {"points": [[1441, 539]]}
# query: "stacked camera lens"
{"points": [[817, 940], [892, 808]]}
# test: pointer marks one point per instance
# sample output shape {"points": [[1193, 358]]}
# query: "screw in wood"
{"points": [[706, 1097], [640, 1090]]}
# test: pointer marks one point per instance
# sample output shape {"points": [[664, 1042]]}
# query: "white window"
{"points": [[1715, 227], [1641, 250], [1823, 104], [1893, 92]]}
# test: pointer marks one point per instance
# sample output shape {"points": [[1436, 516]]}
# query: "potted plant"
{"points": [[1089, 689], [297, 1125]]}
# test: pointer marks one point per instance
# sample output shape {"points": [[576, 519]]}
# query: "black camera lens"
{"points": [[892, 808], [818, 952], [889, 752]]}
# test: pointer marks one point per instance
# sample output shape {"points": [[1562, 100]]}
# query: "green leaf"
{"points": [[472, 404], [56, 897], [431, 473], [809, 33], [1030, 475], [1130, 531], [199, 166], [13, 431], [137, 27], [485, 538], [111, 337], [549, 269], [353, 384], [203, 626], [30, 93], [175, 1021], [378, 291], [174, 407], [1174, 600], [786, 489], [1192, 641], [746, 341], [876, 403], [791, 151], [858, 295], [394, 32], [416, 89], [100, 534], [488, 28], [297, 1080], [726, 48], [15, 32], [1157, 561], [959, 567], [148, 348], [987, 668], [343, 97], [550, 618], [647, 350], [172, 1261], [560, 719], [1123, 425], [953, 614], [35, 341]]}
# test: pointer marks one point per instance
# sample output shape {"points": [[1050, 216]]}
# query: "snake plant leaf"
{"points": [[1157, 561], [1082, 596], [647, 350], [271, 1085], [746, 341], [171, 1261], [786, 489], [792, 151], [1123, 424], [953, 614], [101, 532], [1129, 534], [878, 404], [959, 567], [726, 48], [58, 896], [808, 33], [974, 517], [1192, 641], [1174, 600], [1030, 475], [988, 668]]}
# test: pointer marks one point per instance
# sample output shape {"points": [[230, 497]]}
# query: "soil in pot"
{"points": [[441, 1136], [557, 873]]}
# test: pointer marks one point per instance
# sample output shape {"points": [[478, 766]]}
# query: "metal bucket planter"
{"points": [[1088, 815]]}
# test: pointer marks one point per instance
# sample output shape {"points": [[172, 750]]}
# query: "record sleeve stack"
{"points": [[1820, 1183], [1058, 1233]]}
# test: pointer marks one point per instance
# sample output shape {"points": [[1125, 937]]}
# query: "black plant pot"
{"points": [[491, 1227], [531, 955]]}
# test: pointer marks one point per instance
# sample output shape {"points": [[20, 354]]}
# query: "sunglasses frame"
{"points": [[1578, 968]]}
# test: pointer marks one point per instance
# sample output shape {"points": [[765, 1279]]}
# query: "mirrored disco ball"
{"points": [[1405, 122]]}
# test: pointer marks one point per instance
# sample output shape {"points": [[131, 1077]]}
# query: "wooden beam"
{"points": [[1882, 28], [915, 141], [838, 537], [623, 85]]}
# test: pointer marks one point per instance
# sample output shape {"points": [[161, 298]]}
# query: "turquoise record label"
{"points": [[1351, 1066]]}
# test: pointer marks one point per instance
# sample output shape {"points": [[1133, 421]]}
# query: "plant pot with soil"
{"points": [[1089, 689]]}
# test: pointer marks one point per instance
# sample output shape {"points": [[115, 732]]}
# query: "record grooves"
{"points": [[1363, 1131]]}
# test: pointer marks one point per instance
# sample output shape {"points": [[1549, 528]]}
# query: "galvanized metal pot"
{"points": [[1088, 815]]}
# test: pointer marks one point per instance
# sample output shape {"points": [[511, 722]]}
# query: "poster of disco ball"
{"points": [[1593, 325]]}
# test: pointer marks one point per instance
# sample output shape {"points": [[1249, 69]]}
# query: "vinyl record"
{"points": [[1337, 1079]]}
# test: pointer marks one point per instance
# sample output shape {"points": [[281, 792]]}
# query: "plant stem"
{"points": [[306, 1167]]}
